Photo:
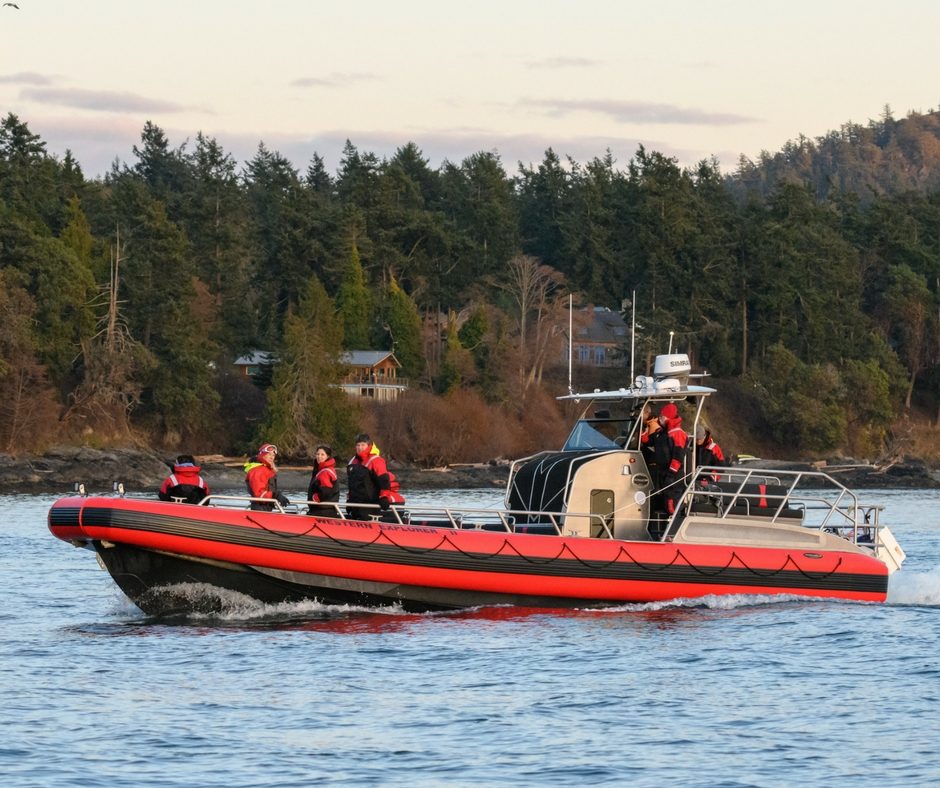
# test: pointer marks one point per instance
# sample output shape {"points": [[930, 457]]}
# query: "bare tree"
{"points": [[536, 291], [113, 364]]}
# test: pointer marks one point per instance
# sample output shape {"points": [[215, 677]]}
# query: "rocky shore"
{"points": [[58, 470]]}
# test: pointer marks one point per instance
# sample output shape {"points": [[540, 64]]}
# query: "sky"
{"points": [[689, 78]]}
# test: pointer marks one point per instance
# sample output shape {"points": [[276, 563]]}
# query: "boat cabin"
{"points": [[602, 483]]}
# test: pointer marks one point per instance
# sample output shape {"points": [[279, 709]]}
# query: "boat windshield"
{"points": [[594, 434]]}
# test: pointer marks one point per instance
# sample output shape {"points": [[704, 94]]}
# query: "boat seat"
{"points": [[536, 528], [429, 523], [755, 500]]}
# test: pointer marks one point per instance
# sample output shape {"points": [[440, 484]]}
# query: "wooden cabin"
{"points": [[372, 373]]}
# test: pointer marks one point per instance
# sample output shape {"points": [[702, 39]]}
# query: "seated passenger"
{"points": [[261, 479], [323, 489], [395, 499], [184, 485]]}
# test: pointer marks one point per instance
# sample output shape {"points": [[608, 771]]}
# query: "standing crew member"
{"points": [[367, 480], [707, 451], [678, 440], [261, 478], [654, 443], [323, 487], [184, 483]]}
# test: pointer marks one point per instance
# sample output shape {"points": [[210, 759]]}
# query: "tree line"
{"points": [[124, 299]]}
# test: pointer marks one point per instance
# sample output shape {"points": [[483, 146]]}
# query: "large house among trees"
{"points": [[371, 373], [600, 337]]}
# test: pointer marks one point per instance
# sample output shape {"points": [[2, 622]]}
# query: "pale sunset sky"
{"points": [[691, 79]]}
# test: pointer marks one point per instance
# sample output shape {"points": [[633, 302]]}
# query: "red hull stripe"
{"points": [[539, 564]]}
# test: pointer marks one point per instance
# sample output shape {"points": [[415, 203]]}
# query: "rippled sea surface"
{"points": [[721, 692]]}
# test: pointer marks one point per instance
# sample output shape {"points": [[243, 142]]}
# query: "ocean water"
{"points": [[731, 691]]}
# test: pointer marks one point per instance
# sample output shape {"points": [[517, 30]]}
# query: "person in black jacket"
{"points": [[673, 476], [707, 450], [323, 489], [367, 480]]}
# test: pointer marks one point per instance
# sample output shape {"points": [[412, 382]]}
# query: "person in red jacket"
{"points": [[323, 488], [672, 475], [395, 500], [708, 452], [367, 480], [261, 478], [184, 485]]}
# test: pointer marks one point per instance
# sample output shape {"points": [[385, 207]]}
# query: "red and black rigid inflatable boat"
{"points": [[581, 527]]}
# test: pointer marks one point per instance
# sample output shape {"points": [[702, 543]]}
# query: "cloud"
{"points": [[642, 112], [96, 141], [563, 62], [25, 78], [100, 100], [336, 79], [454, 145]]}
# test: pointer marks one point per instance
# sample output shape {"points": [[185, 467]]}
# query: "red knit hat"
{"points": [[669, 411]]}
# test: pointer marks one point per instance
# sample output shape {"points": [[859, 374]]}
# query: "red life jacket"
{"points": [[184, 483], [323, 487]]}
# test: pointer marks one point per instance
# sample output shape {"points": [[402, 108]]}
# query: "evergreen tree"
{"points": [[27, 402], [478, 198], [161, 168], [55, 278], [280, 229], [158, 289], [457, 364], [305, 404], [355, 303], [709, 281], [806, 286], [544, 195], [403, 329], [662, 229], [911, 316], [590, 231], [473, 332], [28, 177], [410, 237], [214, 220]]}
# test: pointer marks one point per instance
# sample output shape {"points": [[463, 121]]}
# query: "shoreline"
{"points": [[59, 469]]}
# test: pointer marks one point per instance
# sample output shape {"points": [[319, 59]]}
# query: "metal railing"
{"points": [[826, 504], [461, 518]]}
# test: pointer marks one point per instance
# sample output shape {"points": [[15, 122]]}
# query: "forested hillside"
{"points": [[812, 277], [886, 156]]}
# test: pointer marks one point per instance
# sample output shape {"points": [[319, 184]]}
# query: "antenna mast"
{"points": [[570, 342], [632, 337]]}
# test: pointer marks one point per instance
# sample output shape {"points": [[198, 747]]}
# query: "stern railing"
{"points": [[823, 502]]}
